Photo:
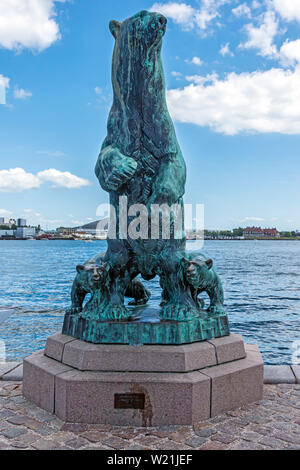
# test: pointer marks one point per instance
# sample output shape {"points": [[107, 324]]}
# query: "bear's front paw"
{"points": [[115, 313], [179, 312], [118, 170]]}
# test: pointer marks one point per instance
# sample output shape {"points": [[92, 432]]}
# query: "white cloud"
{"points": [[4, 84], [180, 13], [28, 24], [195, 61], [263, 102], [256, 4], [5, 212], [201, 80], [262, 37], [289, 10], [176, 74], [189, 17], [62, 179], [242, 10], [21, 94], [290, 53], [17, 179], [98, 90], [225, 50], [32, 212]]}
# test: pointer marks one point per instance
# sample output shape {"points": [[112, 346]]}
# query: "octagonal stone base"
{"points": [[72, 379]]}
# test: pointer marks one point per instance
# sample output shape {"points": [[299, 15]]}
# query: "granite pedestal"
{"points": [[149, 385]]}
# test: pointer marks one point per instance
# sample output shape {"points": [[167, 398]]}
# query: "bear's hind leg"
{"points": [[77, 298], [138, 292]]}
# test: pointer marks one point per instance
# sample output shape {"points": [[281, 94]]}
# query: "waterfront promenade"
{"points": [[272, 423]]}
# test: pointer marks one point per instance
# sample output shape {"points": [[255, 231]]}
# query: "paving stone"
{"points": [[74, 427], [116, 442], [24, 441], [240, 429], [245, 445], [171, 445], [278, 375], [292, 438], [6, 414], [251, 436], [196, 441], [147, 441], [225, 438], [11, 433], [7, 367], [272, 442], [214, 445], [77, 443], [46, 431], [136, 447], [16, 419], [45, 444], [166, 444], [95, 436], [14, 375], [205, 432], [181, 436], [202, 425], [124, 434]]}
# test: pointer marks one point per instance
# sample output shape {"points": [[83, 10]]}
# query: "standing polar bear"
{"points": [[141, 160]]}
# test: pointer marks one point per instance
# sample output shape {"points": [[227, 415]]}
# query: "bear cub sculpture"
{"points": [[201, 276], [92, 276]]}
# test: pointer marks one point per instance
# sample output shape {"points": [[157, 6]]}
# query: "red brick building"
{"points": [[258, 232]]}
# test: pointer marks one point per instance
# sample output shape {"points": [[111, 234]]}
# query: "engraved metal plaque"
{"points": [[130, 401]]}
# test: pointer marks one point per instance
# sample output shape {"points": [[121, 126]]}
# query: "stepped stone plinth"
{"points": [[148, 385]]}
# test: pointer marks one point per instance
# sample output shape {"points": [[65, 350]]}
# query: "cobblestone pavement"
{"points": [[273, 423]]}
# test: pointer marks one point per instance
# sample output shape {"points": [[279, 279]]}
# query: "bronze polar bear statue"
{"points": [[92, 276], [141, 162]]}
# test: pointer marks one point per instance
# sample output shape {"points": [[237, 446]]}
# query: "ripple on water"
{"points": [[260, 281]]}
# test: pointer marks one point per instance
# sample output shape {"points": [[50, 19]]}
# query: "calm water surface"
{"points": [[261, 281]]}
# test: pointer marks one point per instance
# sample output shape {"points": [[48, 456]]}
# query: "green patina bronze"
{"points": [[141, 160]]}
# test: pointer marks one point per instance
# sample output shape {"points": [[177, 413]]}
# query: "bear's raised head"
{"points": [[197, 270], [145, 27], [137, 53], [92, 274]]}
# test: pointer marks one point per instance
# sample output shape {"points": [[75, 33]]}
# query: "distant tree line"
{"points": [[6, 227], [289, 234], [236, 232]]}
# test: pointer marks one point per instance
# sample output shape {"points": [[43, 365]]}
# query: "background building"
{"points": [[7, 233], [21, 222], [258, 232], [25, 232]]}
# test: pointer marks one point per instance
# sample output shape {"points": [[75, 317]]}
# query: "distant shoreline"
{"points": [[188, 239]]}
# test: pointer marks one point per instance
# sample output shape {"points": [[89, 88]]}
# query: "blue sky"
{"points": [[233, 78]]}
